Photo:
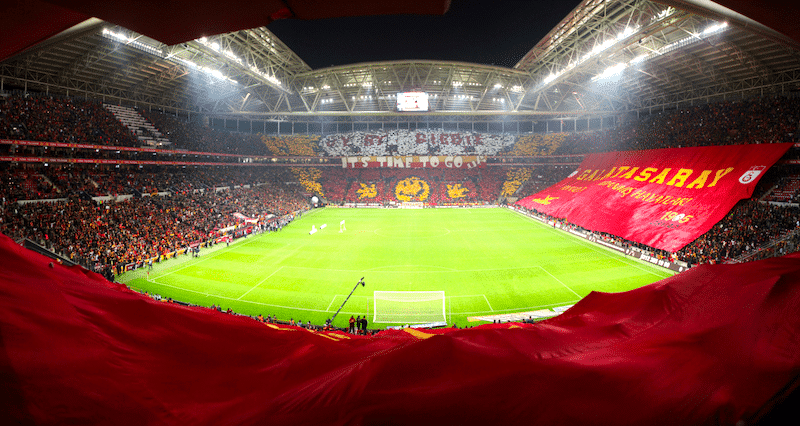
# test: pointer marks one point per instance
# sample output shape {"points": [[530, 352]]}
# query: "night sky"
{"points": [[493, 32]]}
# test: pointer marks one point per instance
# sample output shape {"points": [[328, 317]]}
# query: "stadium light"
{"points": [[715, 28], [694, 37], [232, 56], [610, 71], [626, 32], [664, 13]]}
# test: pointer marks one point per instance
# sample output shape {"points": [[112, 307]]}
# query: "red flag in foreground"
{"points": [[713, 345]]}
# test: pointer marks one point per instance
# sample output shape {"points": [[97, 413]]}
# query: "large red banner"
{"points": [[76, 349], [664, 198]]}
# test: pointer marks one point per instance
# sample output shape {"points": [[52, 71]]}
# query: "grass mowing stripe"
{"points": [[259, 283], [210, 256], [470, 254], [523, 309], [608, 252], [559, 281], [232, 299]]}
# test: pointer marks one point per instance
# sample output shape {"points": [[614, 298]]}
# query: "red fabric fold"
{"points": [[713, 345]]}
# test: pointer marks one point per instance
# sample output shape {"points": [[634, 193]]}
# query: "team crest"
{"points": [[751, 175], [367, 191], [456, 191], [412, 189], [545, 201]]}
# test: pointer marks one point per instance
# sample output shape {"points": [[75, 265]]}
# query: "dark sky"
{"points": [[497, 32]]}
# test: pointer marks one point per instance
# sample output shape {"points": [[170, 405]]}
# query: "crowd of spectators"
{"points": [[30, 182], [415, 142], [25, 183], [435, 186], [744, 233], [749, 225], [60, 119], [308, 178], [298, 145], [537, 144], [514, 180], [762, 120], [194, 136], [117, 233], [485, 184], [786, 189], [54, 119], [772, 119]]}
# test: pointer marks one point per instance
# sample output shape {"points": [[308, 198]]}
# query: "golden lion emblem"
{"points": [[456, 191], [367, 191], [412, 189]]}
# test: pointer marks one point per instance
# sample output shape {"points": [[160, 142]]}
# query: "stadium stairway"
{"points": [[145, 132]]}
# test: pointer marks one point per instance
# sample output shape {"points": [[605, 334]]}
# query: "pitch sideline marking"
{"points": [[523, 309], [216, 253], [591, 246], [519, 309], [211, 255], [243, 301], [182, 266], [354, 297], [559, 281]]}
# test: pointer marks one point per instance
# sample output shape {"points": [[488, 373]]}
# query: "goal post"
{"points": [[409, 307]]}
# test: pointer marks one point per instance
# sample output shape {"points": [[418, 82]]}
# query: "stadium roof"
{"points": [[606, 57]]}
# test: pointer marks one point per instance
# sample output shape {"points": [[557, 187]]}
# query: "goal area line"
{"points": [[409, 307]]}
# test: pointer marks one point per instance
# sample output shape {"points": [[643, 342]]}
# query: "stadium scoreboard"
{"points": [[412, 101]]}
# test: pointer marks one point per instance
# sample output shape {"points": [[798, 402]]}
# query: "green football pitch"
{"points": [[486, 261]]}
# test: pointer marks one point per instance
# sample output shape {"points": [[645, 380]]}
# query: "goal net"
{"points": [[409, 307]]}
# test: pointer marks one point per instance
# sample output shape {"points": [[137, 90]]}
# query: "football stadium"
{"points": [[400, 212]]}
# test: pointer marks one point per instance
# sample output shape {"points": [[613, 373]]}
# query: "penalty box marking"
{"points": [[600, 249], [259, 283], [476, 296], [335, 296], [559, 281], [207, 294]]}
